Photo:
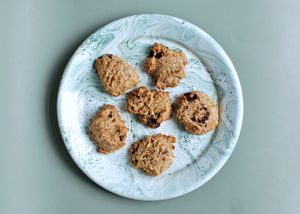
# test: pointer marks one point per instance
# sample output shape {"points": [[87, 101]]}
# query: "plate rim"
{"points": [[238, 125]]}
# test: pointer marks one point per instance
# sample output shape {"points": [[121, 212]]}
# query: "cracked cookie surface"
{"points": [[166, 66], [153, 154], [152, 107], [197, 112], [116, 74], [107, 129]]}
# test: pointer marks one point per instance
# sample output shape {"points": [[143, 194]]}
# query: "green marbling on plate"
{"points": [[197, 158]]}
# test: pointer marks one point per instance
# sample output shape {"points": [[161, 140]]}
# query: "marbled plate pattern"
{"points": [[197, 158]]}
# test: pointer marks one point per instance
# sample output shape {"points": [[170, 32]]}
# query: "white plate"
{"points": [[197, 158]]}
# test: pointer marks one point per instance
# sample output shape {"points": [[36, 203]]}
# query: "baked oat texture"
{"points": [[153, 154], [197, 112], [166, 66], [116, 75], [152, 107], [107, 130]]}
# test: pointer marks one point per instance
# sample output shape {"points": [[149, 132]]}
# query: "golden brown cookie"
{"points": [[108, 130], [116, 75], [153, 154], [153, 107], [165, 65], [197, 112]]}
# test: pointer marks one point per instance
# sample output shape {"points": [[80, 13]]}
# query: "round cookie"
{"points": [[116, 74], [107, 130], [153, 154], [166, 66], [153, 107], [197, 112]]}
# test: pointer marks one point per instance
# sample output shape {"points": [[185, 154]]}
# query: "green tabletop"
{"points": [[261, 37]]}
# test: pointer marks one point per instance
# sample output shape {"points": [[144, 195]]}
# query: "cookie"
{"points": [[197, 112], [116, 75], [152, 107], [153, 154], [166, 66], [107, 130]]}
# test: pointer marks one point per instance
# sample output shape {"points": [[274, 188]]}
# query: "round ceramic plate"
{"points": [[197, 157]]}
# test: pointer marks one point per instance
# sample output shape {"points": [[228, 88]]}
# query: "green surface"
{"points": [[262, 39]]}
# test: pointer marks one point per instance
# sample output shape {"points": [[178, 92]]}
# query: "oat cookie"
{"points": [[153, 107], [116, 75], [153, 154], [165, 65], [108, 130], [197, 112]]}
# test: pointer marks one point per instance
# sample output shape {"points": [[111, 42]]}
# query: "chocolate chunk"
{"points": [[151, 122], [191, 97], [151, 53], [204, 117], [158, 55]]}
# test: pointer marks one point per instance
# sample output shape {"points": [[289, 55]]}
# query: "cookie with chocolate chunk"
{"points": [[152, 107], [197, 112], [116, 74], [166, 66], [153, 154], [107, 130]]}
